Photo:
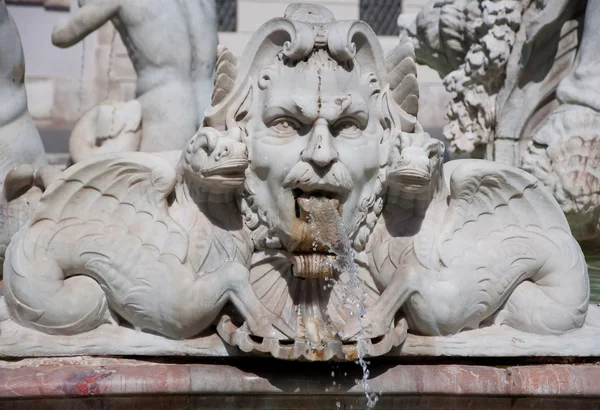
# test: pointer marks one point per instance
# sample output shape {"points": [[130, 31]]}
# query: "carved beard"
{"points": [[264, 233]]}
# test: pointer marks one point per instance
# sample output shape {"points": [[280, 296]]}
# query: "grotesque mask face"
{"points": [[415, 162], [315, 130]]}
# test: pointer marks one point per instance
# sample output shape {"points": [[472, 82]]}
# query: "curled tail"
{"points": [[40, 294]]}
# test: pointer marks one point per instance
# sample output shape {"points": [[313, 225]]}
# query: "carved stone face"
{"points": [[315, 130], [415, 162]]}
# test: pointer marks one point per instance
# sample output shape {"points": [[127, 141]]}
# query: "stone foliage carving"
{"points": [[311, 217], [501, 65], [565, 150], [20, 142], [472, 40], [523, 124], [173, 52]]}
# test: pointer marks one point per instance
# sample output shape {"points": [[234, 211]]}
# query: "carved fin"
{"points": [[225, 75], [407, 94], [402, 77]]}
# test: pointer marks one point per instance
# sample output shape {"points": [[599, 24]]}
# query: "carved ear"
{"points": [[402, 77], [225, 75]]}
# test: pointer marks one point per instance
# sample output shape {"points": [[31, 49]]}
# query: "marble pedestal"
{"points": [[185, 383]]}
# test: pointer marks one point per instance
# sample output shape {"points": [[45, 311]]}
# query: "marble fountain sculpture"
{"points": [[174, 74], [524, 78], [309, 218], [20, 142]]}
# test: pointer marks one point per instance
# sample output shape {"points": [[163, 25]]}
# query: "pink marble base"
{"points": [[263, 383]]}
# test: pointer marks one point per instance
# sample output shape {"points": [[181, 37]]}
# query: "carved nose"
{"points": [[223, 150], [320, 149]]}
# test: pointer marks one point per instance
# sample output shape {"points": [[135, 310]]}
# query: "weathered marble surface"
{"points": [[565, 149], [20, 142], [109, 340], [106, 377], [309, 218], [173, 48], [525, 80], [503, 61]]}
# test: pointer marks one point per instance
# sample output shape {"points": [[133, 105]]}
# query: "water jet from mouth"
{"points": [[326, 222]]}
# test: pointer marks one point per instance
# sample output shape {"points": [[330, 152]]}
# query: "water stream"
{"points": [[327, 225]]}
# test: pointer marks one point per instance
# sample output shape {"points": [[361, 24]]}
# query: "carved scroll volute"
{"points": [[292, 38], [350, 39]]}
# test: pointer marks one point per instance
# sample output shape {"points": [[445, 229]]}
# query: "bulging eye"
{"points": [[286, 126]]}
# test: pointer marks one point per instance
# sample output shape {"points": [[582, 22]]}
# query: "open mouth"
{"points": [[231, 171], [302, 201], [411, 178], [318, 231]]}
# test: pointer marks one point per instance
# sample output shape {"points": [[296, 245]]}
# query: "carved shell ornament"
{"points": [[565, 155]]}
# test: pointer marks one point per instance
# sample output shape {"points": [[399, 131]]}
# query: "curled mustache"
{"points": [[303, 175]]}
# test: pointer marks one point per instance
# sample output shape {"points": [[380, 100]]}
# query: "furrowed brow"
{"points": [[286, 106]]}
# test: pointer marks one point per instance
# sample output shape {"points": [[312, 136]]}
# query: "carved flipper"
{"points": [[225, 75], [402, 76]]}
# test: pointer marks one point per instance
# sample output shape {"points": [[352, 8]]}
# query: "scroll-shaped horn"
{"points": [[350, 39], [301, 43], [294, 39]]}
